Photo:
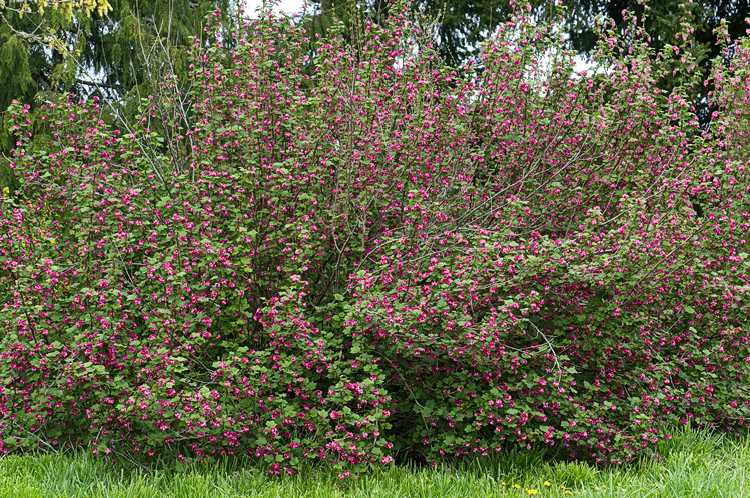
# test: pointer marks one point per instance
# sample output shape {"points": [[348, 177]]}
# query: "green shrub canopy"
{"points": [[350, 253]]}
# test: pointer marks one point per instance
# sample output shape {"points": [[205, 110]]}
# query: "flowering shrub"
{"points": [[348, 252]]}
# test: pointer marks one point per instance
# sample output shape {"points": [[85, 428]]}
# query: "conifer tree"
{"points": [[463, 24], [85, 46], [115, 49]]}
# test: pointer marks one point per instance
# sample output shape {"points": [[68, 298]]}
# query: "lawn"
{"points": [[692, 465]]}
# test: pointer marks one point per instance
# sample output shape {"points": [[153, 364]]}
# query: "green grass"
{"points": [[692, 465]]}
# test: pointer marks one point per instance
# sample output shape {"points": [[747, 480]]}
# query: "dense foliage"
{"points": [[464, 24], [88, 46], [115, 49], [356, 253]]}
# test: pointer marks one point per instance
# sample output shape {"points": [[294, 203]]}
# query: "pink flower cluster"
{"points": [[348, 253]]}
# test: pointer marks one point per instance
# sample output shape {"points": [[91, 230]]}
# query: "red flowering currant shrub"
{"points": [[346, 252]]}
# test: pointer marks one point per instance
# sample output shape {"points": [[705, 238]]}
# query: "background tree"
{"points": [[119, 50], [660, 19], [463, 24], [85, 49], [667, 22]]}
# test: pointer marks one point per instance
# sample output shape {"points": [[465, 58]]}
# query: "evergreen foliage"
{"points": [[118, 50], [463, 24], [100, 50]]}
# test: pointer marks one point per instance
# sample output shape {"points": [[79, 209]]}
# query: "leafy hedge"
{"points": [[345, 251]]}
